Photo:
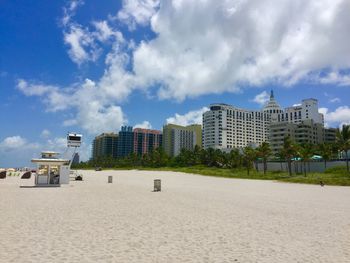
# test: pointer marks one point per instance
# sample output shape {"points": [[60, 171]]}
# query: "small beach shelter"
{"points": [[51, 170]]}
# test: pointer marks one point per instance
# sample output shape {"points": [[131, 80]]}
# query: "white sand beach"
{"points": [[193, 219]]}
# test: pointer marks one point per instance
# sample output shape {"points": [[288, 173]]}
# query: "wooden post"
{"points": [[157, 185]]}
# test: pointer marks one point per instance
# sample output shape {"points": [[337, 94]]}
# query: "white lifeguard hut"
{"points": [[52, 170]]}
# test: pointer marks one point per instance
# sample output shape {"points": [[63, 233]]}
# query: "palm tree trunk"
{"points": [[325, 164], [265, 166], [289, 167], [347, 160], [305, 169]]}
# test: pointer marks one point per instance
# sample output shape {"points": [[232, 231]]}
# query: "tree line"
{"points": [[246, 158]]}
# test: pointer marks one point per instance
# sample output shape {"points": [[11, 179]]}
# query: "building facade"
{"points": [[104, 145], [125, 142], [145, 140], [307, 131], [307, 110], [226, 127], [177, 137]]}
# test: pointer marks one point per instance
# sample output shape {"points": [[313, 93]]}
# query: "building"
{"points": [[226, 127], [330, 135], [105, 144], [307, 110], [145, 140], [125, 142], [307, 131], [177, 137]]}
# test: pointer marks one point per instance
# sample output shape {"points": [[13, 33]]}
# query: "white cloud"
{"points": [[104, 32], [95, 103], [16, 143], [334, 100], [199, 48], [209, 46], [262, 98], [34, 89], [81, 44], [143, 125], [335, 78], [137, 12], [17, 151], [45, 133], [191, 117], [69, 10], [13, 142], [82, 41], [340, 116]]}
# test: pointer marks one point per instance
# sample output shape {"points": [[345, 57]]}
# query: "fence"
{"points": [[297, 166]]}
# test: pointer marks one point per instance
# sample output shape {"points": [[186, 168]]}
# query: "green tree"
{"points": [[288, 152], [343, 142], [234, 159], [325, 150], [305, 151], [264, 152], [249, 156]]}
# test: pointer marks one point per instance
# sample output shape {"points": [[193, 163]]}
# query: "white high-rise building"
{"points": [[307, 110], [226, 126]]}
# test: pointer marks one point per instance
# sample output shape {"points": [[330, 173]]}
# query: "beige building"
{"points": [[307, 131], [177, 137]]}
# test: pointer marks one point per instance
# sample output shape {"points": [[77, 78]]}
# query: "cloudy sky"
{"points": [[91, 66]]}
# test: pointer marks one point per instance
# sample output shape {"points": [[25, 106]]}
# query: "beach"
{"points": [[193, 219]]}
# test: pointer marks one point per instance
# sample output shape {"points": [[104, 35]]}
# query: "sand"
{"points": [[194, 219]]}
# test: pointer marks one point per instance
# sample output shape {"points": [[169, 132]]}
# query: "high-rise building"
{"points": [[307, 110], [125, 141], [145, 140], [177, 137], [226, 127], [330, 135], [306, 131], [104, 145]]}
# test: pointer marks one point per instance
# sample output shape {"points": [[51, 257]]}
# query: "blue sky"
{"points": [[92, 66]]}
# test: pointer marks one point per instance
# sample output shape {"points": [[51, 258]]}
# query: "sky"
{"points": [[92, 66]]}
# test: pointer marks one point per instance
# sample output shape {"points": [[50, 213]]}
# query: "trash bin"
{"points": [[110, 179], [157, 185]]}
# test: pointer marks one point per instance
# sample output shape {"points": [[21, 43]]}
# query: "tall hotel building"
{"points": [[146, 140], [226, 126], [105, 145], [177, 137]]}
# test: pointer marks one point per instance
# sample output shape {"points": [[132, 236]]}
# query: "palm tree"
{"points": [[305, 151], [264, 152], [326, 151], [234, 158], [288, 152], [343, 141], [249, 156]]}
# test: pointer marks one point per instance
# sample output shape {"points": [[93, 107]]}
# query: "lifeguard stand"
{"points": [[52, 170]]}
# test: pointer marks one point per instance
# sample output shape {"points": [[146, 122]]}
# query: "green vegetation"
{"points": [[241, 164]]}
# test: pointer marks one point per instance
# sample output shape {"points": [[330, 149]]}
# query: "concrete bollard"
{"points": [[157, 185], [110, 179]]}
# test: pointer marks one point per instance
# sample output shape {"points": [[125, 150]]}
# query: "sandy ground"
{"points": [[194, 219]]}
